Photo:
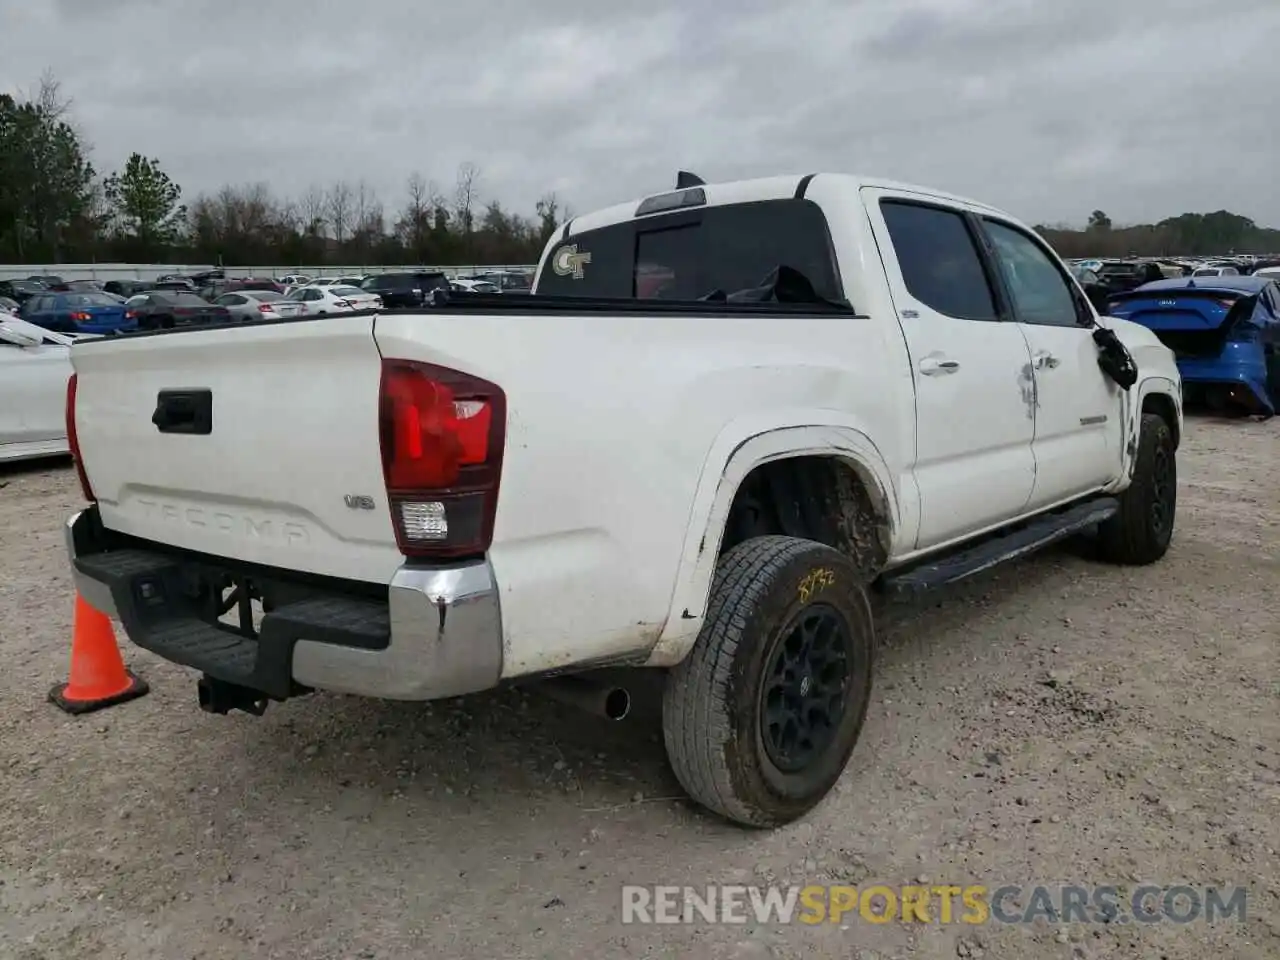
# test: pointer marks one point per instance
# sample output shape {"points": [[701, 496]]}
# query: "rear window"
{"points": [[185, 300], [346, 291], [693, 253], [90, 300], [267, 296]]}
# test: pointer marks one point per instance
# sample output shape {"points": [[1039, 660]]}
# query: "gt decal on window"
{"points": [[568, 262]]}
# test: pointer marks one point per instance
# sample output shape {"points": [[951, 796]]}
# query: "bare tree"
{"points": [[464, 201], [365, 205], [338, 204], [48, 97], [414, 224], [549, 216], [312, 204]]}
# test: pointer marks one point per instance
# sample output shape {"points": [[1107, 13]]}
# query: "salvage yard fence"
{"points": [[149, 271]]}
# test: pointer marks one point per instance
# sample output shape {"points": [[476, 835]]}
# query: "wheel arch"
{"points": [[726, 470]]}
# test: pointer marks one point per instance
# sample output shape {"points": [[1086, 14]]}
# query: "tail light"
{"points": [[73, 440], [79, 317], [1239, 322], [342, 303], [265, 308], [442, 435], [131, 314]]}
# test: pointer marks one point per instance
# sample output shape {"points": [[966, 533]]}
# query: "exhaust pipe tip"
{"points": [[609, 702], [617, 703]]}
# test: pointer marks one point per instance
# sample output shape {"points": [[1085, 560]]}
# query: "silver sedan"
{"points": [[259, 305]]}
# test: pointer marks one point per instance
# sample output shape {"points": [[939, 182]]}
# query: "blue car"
{"points": [[1224, 331], [78, 312]]}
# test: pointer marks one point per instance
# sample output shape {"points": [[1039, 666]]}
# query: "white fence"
{"points": [[149, 271]]}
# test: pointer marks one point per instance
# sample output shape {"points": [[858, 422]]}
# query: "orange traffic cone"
{"points": [[98, 675]]}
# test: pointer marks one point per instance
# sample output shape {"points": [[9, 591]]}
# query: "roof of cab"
{"points": [[764, 188]]}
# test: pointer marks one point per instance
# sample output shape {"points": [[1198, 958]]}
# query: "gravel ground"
{"points": [[1057, 721]]}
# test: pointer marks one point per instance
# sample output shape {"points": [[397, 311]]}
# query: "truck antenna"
{"points": [[685, 179]]}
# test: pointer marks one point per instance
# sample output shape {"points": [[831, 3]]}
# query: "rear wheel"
{"points": [[1140, 533], [762, 715]]}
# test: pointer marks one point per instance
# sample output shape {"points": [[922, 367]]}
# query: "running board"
{"points": [[1036, 535]]}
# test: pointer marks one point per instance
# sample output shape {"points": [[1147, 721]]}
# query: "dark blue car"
{"points": [[1224, 331], [78, 312]]}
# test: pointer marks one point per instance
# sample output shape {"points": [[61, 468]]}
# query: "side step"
{"points": [[1036, 535]]}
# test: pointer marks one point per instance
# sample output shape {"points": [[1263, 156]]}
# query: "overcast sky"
{"points": [[1047, 108]]}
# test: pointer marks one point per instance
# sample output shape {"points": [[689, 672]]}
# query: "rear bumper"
{"points": [[434, 632], [1239, 363]]}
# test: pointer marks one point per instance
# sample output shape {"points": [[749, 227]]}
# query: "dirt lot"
{"points": [[1056, 722]]}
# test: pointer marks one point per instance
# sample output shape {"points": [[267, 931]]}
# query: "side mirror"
{"points": [[19, 338]]}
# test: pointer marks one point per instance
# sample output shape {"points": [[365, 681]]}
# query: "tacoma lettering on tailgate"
{"points": [[226, 521]]}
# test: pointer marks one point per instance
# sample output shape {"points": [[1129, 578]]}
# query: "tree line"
{"points": [[56, 207], [1188, 234]]}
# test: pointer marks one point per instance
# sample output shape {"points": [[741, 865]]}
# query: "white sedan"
{"points": [[35, 365], [319, 301]]}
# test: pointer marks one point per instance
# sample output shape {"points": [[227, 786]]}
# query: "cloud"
{"points": [[1144, 110]]}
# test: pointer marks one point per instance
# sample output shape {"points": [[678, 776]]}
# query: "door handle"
{"points": [[1044, 360], [933, 367]]}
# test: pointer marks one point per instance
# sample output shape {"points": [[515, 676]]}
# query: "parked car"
{"points": [[319, 301], [405, 289], [708, 483], [293, 280], [77, 313], [173, 283], [34, 368], [9, 306], [126, 288], [506, 281], [51, 281], [245, 305], [1216, 271], [1224, 331], [165, 309], [463, 285], [1121, 275], [21, 290], [1092, 286], [216, 288]]}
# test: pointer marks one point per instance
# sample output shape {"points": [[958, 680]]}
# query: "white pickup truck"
{"points": [[725, 414]]}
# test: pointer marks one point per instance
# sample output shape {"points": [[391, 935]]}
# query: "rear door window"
{"points": [[691, 254], [939, 260]]}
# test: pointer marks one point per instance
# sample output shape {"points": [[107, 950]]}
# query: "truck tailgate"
{"points": [[293, 441]]}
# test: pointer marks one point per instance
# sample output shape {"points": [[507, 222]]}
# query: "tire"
{"points": [[770, 595], [1140, 533]]}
